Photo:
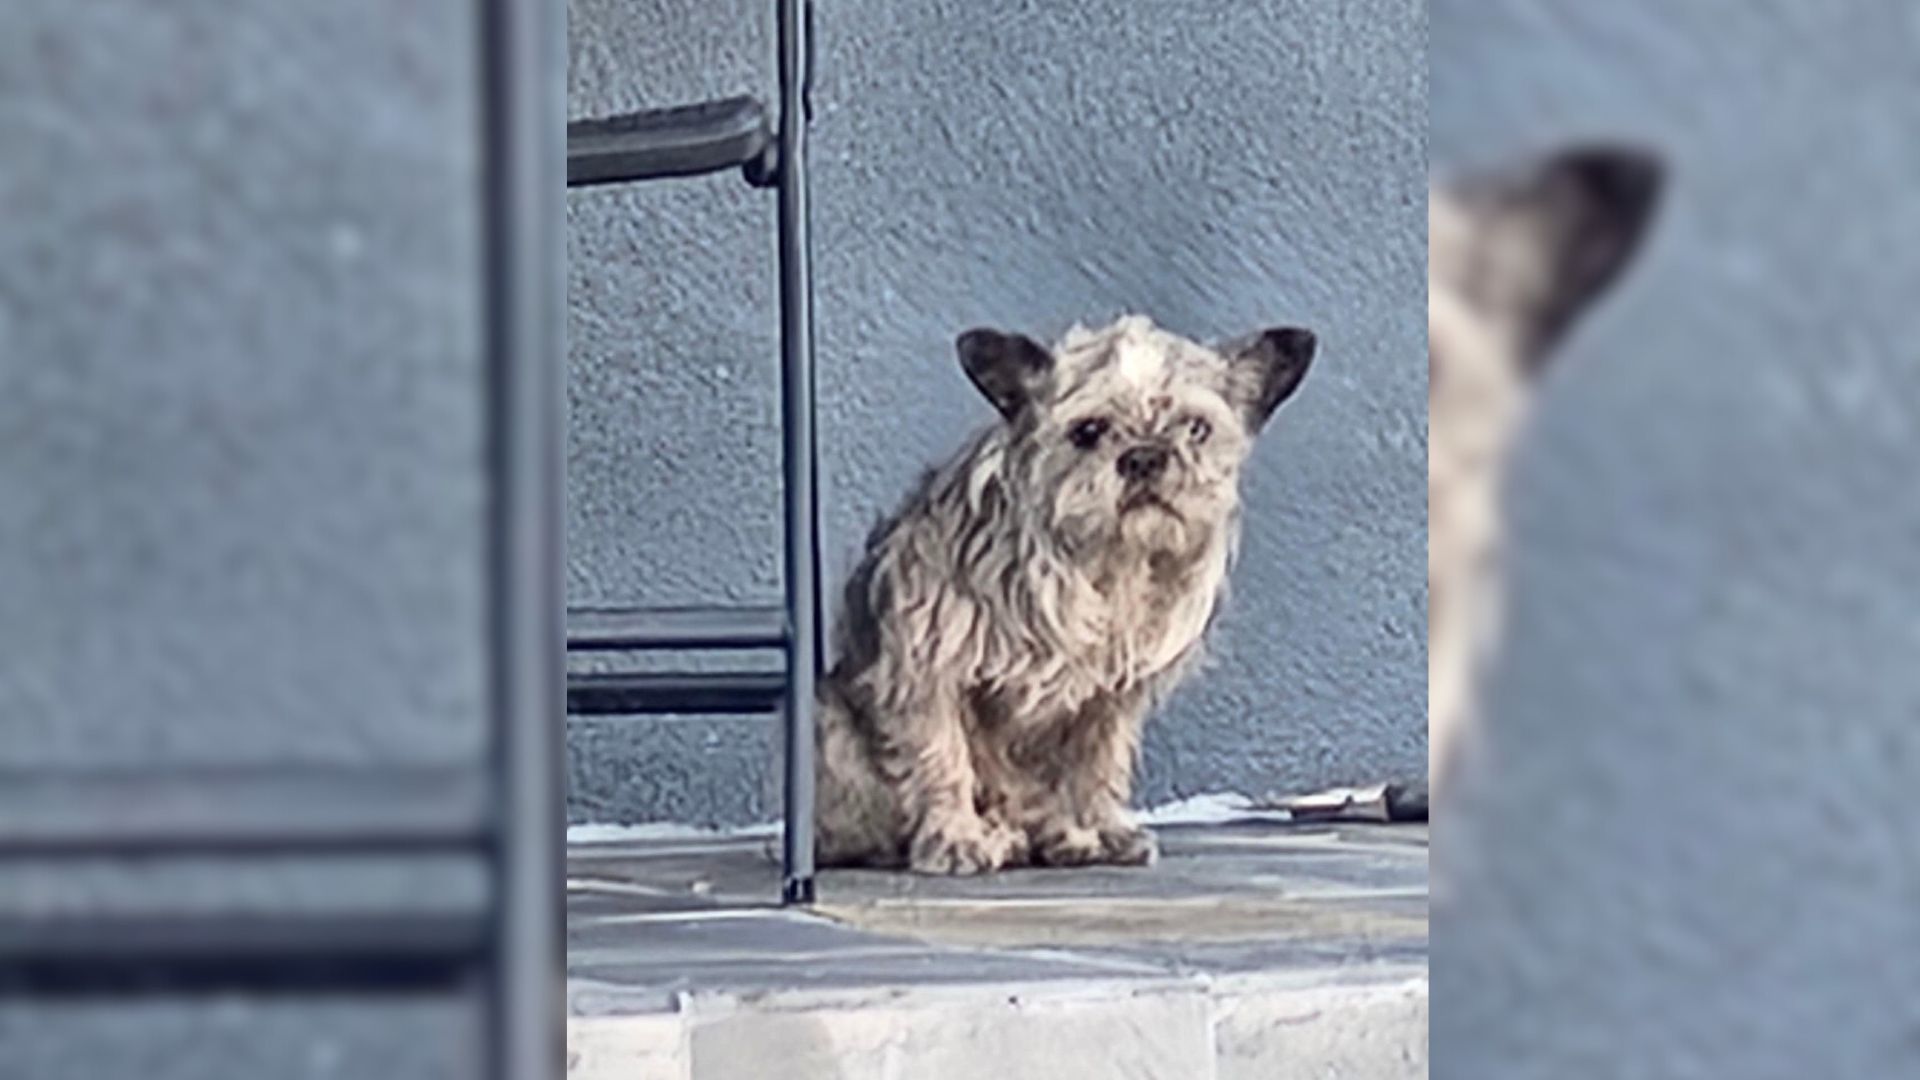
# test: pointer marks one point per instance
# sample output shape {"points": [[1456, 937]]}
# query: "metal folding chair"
{"points": [[687, 141]]}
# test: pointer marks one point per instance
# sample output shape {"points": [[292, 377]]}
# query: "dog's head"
{"points": [[1130, 437]]}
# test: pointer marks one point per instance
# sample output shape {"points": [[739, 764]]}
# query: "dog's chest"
{"points": [[1153, 616]]}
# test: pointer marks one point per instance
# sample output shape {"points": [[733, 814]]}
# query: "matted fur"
{"points": [[1512, 260], [1007, 631]]}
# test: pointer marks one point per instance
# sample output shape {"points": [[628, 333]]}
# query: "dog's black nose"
{"points": [[1142, 463]]}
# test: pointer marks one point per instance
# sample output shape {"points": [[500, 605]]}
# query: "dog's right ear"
{"points": [[1010, 369]]}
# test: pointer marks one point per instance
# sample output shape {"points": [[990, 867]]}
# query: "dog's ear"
{"points": [[1594, 204], [1578, 216], [1009, 369], [1266, 368]]}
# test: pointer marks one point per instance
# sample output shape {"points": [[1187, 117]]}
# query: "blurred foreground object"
{"points": [[279, 653], [1683, 846], [1514, 258]]}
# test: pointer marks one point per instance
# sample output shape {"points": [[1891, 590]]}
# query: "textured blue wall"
{"points": [[1220, 167], [1699, 856]]}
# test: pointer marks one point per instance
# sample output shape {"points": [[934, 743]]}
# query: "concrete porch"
{"points": [[1257, 949]]}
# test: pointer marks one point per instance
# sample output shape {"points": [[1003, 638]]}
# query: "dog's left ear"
{"points": [[1009, 369], [1265, 369], [1593, 204], [1552, 233]]}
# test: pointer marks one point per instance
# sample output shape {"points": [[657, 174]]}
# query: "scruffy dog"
{"points": [[1010, 627], [1513, 258]]}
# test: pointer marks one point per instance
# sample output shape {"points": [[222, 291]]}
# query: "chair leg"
{"points": [[799, 457]]}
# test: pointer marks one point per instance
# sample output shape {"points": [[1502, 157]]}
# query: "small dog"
{"points": [[1010, 627], [1512, 260]]}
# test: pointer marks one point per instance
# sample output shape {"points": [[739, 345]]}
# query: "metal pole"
{"points": [[523, 68], [797, 413]]}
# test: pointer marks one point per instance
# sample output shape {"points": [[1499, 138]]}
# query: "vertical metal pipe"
{"points": [[523, 87], [797, 413]]}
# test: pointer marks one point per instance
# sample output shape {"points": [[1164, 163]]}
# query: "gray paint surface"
{"points": [[217, 1037], [240, 507], [1693, 852], [241, 494], [1219, 168]]}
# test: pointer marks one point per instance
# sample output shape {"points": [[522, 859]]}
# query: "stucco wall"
{"points": [[1220, 167], [1699, 854]]}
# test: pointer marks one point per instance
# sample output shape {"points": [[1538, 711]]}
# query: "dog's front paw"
{"points": [[1011, 840], [1128, 845], [1118, 843], [1068, 845], [962, 846]]}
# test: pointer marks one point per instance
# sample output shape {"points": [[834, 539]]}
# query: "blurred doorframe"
{"points": [[523, 69]]}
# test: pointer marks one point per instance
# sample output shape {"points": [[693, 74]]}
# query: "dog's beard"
{"points": [[1152, 525], [1146, 500]]}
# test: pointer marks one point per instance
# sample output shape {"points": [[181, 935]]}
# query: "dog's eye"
{"points": [[1198, 429], [1086, 434]]}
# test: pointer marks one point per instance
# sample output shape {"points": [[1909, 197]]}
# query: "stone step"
{"points": [[1254, 949]]}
